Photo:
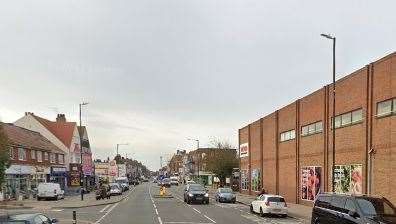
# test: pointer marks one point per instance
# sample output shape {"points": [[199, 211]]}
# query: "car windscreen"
{"points": [[376, 207], [275, 199], [196, 188], [225, 190], [114, 186]]}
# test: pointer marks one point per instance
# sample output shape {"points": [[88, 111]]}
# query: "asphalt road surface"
{"points": [[142, 207]]}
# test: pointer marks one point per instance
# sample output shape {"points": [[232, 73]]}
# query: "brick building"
{"points": [[289, 151], [33, 159]]}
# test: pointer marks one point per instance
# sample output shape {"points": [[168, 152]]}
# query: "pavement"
{"points": [[140, 206]]}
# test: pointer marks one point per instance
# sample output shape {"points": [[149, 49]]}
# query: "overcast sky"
{"points": [[158, 72]]}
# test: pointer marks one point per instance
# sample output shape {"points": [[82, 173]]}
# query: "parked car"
{"points": [[348, 209], [225, 195], [190, 182], [166, 182], [115, 189], [174, 181], [49, 191], [124, 182], [196, 193], [32, 218], [267, 204]]}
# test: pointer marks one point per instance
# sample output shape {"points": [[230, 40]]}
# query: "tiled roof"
{"points": [[27, 138], [62, 130]]}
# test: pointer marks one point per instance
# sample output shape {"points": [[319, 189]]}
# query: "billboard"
{"points": [[348, 179], [256, 180], [244, 150], [310, 182], [87, 164], [122, 170], [113, 169]]}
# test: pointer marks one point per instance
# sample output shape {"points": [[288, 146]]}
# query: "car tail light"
{"points": [[267, 203]]}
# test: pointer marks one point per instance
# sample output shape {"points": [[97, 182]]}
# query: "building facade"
{"points": [[289, 151], [33, 160]]}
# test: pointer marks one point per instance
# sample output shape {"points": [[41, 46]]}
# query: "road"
{"points": [[141, 206]]}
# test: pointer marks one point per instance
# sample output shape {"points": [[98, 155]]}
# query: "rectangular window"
{"points": [[313, 128], [61, 159], [287, 135], [45, 155], [338, 121], [346, 119], [319, 126], [39, 156], [11, 152], [22, 154], [384, 108], [52, 158], [394, 105], [357, 116], [33, 154]]}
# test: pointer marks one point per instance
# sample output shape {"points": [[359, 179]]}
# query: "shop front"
{"points": [[59, 175]]}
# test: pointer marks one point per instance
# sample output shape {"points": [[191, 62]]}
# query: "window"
{"points": [[39, 156], [346, 119], [22, 154], [349, 118], [33, 154], [357, 116], [375, 206], [323, 201], [287, 135], [313, 128], [386, 107], [61, 158], [338, 203], [11, 152], [45, 155], [52, 158], [350, 206]]}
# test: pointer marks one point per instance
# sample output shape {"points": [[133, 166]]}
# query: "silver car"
{"points": [[225, 195]]}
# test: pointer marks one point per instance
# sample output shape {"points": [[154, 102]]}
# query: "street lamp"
{"points": [[328, 36], [118, 169], [197, 140], [81, 152]]}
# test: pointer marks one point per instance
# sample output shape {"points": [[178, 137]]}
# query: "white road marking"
{"points": [[108, 211], [187, 223], [159, 220], [56, 210], [156, 211], [196, 210], [104, 208], [209, 219], [154, 206]]}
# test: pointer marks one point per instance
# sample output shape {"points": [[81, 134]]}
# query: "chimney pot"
{"points": [[61, 118]]}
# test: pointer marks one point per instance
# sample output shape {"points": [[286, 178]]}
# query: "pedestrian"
{"points": [[262, 192]]}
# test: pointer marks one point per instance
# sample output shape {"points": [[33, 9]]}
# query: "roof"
{"points": [[62, 130], [30, 139]]}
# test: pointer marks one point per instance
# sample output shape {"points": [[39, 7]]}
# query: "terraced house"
{"points": [[33, 159], [289, 151]]}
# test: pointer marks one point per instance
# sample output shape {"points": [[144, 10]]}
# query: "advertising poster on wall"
{"points": [[348, 179], [244, 180], [256, 180], [310, 182], [244, 150]]}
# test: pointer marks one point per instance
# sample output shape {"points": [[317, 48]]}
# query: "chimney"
{"points": [[61, 118], [29, 113]]}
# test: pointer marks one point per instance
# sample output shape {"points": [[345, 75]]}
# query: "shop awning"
{"points": [[21, 169]]}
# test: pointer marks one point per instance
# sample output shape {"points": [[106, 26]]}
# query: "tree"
{"points": [[223, 159], [4, 156]]}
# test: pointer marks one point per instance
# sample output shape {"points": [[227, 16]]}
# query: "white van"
{"points": [[124, 182], [49, 190]]}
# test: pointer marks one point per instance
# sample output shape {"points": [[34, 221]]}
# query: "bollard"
{"points": [[74, 217]]}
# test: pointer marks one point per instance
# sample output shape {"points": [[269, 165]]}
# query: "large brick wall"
{"points": [[371, 141]]}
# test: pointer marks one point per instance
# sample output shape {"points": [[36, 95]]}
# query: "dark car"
{"points": [[33, 218], [225, 195], [195, 193], [348, 209], [166, 182]]}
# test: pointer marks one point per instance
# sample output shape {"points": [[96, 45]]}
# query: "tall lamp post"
{"points": [[333, 38], [118, 169], [197, 140], [81, 155]]}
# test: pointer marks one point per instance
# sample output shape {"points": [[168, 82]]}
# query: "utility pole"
{"points": [[81, 155], [199, 157], [333, 120]]}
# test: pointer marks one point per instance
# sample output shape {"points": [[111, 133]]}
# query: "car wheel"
{"points": [[251, 209], [283, 216], [261, 212], [38, 198]]}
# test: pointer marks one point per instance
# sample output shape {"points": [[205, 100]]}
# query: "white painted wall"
{"points": [[29, 122]]}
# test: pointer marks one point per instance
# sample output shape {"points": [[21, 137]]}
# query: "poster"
{"points": [[256, 180], [113, 169], [244, 180], [348, 179], [244, 150], [310, 182]]}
